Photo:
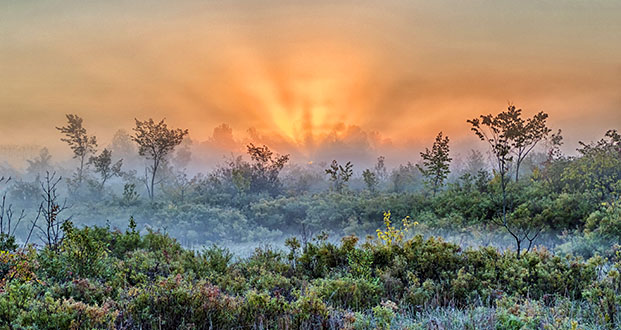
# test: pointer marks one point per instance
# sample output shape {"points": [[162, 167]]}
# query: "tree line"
{"points": [[249, 186]]}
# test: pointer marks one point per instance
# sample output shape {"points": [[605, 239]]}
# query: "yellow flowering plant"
{"points": [[392, 235]]}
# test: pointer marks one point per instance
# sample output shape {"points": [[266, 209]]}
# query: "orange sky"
{"points": [[308, 75]]}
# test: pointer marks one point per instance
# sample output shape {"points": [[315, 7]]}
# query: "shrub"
{"points": [[348, 292]]}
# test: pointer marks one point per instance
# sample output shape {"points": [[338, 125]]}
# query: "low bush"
{"points": [[99, 278]]}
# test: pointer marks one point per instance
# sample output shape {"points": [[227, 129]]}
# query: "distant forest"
{"points": [[530, 193], [530, 241]]}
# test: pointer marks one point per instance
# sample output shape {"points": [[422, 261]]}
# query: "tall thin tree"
{"points": [[502, 132], [436, 162], [79, 141], [155, 141]]}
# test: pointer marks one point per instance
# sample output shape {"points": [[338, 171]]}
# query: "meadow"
{"points": [[418, 246]]}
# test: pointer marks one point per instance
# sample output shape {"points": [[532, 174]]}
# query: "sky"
{"points": [[316, 79]]}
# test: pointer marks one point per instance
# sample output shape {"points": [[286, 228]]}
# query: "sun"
{"points": [[308, 93]]}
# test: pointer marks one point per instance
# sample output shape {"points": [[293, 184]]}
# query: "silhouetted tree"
{"points": [[79, 141], [380, 170], [500, 133], [474, 162], [51, 232], [525, 134], [340, 175], [104, 166], [155, 141], [370, 179], [130, 195], [265, 168], [9, 220], [405, 177], [436, 162], [554, 143], [40, 164]]}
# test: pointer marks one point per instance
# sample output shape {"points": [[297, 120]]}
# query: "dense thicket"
{"points": [[557, 199], [110, 279]]}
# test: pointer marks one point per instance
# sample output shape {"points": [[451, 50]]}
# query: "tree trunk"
{"points": [[81, 169], [530, 244], [504, 199], [517, 169], [503, 185], [519, 247], [153, 171]]}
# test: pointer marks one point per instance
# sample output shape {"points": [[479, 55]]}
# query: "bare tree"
{"points": [[8, 221], [51, 232], [155, 141], [79, 141]]}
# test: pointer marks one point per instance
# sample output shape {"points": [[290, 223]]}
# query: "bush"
{"points": [[152, 282]]}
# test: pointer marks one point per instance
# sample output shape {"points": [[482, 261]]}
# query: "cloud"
{"points": [[343, 143], [316, 79]]}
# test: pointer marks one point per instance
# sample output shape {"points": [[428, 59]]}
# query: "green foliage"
{"points": [[175, 303], [598, 169], [7, 242], [217, 259], [509, 136], [605, 224], [265, 169], [130, 196], [339, 175], [101, 279], [348, 292], [155, 141], [83, 253], [104, 166], [94, 277], [384, 314], [370, 180], [123, 243], [436, 163], [79, 141], [223, 223], [550, 199], [391, 234], [601, 231]]}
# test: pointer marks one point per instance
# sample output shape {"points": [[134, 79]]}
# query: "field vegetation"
{"points": [[128, 238]]}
